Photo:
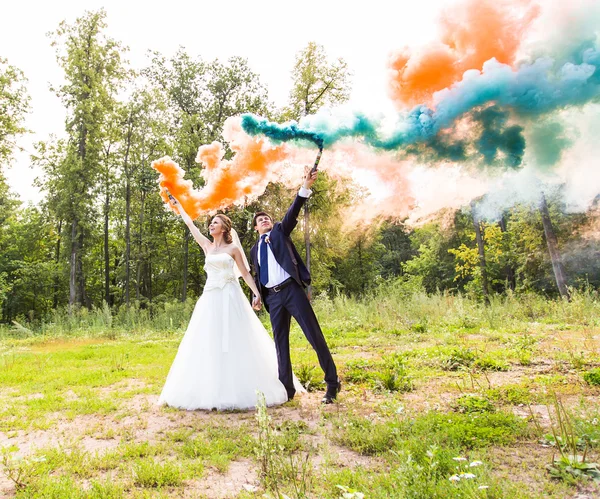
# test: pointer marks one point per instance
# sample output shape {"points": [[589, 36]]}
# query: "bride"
{"points": [[226, 354]]}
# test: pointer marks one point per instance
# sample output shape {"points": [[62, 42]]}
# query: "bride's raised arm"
{"points": [[202, 240]]}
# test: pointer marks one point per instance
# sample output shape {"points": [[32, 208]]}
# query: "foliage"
{"points": [[458, 359], [150, 474], [592, 377], [308, 377], [473, 404], [570, 465], [316, 82], [277, 462], [101, 234], [14, 104]]}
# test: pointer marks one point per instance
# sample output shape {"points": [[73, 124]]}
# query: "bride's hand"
{"points": [[256, 303]]}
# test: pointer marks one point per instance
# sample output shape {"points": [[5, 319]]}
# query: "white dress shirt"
{"points": [[277, 274]]}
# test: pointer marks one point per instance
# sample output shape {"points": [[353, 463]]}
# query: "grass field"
{"points": [[443, 397]]}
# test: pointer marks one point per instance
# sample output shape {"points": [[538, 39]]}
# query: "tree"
{"points": [[201, 97], [144, 136], [94, 71], [396, 241], [552, 242], [316, 83], [14, 104], [480, 253]]}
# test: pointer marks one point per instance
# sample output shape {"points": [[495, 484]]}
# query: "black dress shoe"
{"points": [[331, 393]]}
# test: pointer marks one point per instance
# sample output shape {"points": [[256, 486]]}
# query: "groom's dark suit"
{"points": [[291, 300]]}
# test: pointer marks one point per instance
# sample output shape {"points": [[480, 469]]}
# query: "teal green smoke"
{"points": [[548, 141], [534, 90]]}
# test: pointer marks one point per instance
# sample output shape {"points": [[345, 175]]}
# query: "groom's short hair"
{"points": [[260, 214]]}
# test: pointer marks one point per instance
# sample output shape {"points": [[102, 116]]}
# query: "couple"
{"points": [[226, 355]]}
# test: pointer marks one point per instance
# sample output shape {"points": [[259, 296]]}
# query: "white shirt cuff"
{"points": [[304, 192]]}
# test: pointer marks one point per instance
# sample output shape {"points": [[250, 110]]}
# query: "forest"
{"points": [[101, 237]]}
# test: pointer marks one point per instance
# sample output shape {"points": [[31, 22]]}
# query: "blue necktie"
{"points": [[264, 261]]}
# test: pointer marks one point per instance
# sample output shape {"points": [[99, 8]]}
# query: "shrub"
{"points": [[394, 376], [149, 474], [364, 436], [468, 404], [308, 377], [460, 357], [592, 377], [358, 371], [511, 394], [488, 364]]}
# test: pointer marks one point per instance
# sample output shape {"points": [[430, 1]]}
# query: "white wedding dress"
{"points": [[226, 355]]}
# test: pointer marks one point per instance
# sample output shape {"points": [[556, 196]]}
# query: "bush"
{"points": [[469, 431], [488, 364], [364, 436], [592, 377], [308, 376], [460, 357], [358, 371], [458, 431], [149, 474], [468, 404], [511, 394]]}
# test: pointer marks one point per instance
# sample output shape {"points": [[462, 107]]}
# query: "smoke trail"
{"points": [[472, 34], [534, 89], [547, 141], [171, 179], [485, 118], [227, 182], [281, 133]]}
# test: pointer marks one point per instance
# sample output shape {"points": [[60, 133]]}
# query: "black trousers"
{"points": [[290, 302]]}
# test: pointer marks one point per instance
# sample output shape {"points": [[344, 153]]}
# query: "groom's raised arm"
{"points": [[290, 220]]}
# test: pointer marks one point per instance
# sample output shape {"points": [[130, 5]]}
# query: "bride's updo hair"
{"points": [[226, 221]]}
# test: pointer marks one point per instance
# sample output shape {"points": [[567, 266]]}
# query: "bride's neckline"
{"points": [[223, 253]]}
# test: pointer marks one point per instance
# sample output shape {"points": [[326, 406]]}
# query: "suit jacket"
{"points": [[283, 248]]}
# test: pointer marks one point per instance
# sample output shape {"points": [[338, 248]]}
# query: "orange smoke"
{"points": [[171, 179], [472, 34], [228, 182]]}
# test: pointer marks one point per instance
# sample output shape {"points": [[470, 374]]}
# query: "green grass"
{"points": [[427, 379]]}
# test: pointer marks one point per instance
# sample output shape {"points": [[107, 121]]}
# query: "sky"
{"points": [[268, 33]]}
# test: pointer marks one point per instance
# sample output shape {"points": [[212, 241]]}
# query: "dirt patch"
{"points": [[240, 476], [7, 488], [529, 462]]}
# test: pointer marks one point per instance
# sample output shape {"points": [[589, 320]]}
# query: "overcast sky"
{"points": [[268, 33]]}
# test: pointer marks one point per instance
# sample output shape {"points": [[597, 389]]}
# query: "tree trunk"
{"points": [[360, 265], [114, 283], [551, 240], [106, 249], [56, 261], [508, 270], [73, 267], [140, 247], [84, 299], [307, 244], [127, 214], [481, 251], [127, 238]]}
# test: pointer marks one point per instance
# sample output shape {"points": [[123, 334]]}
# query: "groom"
{"points": [[281, 276]]}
